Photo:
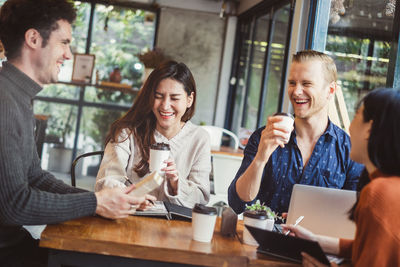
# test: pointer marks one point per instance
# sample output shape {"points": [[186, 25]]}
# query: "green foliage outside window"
{"points": [[119, 35], [357, 72]]}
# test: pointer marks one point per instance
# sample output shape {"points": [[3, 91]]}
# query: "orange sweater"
{"points": [[377, 240]]}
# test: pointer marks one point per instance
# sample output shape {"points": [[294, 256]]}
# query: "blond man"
{"points": [[317, 151]]}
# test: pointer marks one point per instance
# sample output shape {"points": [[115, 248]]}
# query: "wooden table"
{"points": [[145, 241], [226, 150]]}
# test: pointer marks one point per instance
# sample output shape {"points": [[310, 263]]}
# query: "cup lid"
{"points": [[200, 208], [284, 114], [160, 146]]}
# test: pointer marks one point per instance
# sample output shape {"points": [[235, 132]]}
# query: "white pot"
{"points": [[262, 223]]}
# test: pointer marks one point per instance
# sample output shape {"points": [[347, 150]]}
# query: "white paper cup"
{"points": [[203, 222], [158, 154], [286, 122], [265, 223]]}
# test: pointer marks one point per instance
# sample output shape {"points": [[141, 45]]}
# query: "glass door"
{"points": [[259, 65]]}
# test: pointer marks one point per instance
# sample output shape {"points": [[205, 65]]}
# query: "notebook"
{"points": [[286, 247], [325, 210], [167, 210]]}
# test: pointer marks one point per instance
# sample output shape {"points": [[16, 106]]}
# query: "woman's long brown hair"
{"points": [[140, 119]]}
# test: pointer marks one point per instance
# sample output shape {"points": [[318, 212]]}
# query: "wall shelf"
{"points": [[124, 88]]}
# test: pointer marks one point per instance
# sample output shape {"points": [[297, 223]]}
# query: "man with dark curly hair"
{"points": [[36, 35]]}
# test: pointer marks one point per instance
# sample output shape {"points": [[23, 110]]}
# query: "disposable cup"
{"points": [[203, 222], [286, 122], [159, 152]]}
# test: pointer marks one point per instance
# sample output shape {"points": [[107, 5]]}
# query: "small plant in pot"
{"points": [[260, 216], [151, 59]]}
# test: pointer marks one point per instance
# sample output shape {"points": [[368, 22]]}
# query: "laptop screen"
{"points": [[325, 210]]}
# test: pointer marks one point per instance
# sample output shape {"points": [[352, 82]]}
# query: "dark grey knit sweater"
{"points": [[29, 195]]}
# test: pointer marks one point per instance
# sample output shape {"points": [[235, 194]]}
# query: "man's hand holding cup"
{"points": [[276, 133]]}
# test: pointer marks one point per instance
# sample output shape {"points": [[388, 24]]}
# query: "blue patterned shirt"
{"points": [[329, 166]]}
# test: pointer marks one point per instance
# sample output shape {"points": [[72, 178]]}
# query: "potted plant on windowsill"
{"points": [[260, 216], [151, 59]]}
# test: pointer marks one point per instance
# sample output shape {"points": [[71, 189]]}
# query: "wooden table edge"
{"points": [[142, 252]]}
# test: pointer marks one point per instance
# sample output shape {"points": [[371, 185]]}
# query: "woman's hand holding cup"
{"points": [[172, 176]]}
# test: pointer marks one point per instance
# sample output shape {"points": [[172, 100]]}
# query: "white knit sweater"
{"points": [[190, 149]]}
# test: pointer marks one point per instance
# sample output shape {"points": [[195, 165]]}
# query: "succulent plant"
{"points": [[258, 208]]}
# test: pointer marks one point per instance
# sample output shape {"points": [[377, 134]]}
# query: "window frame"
{"points": [[317, 32]]}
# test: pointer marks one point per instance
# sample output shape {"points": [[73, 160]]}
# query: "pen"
{"points": [[296, 223], [127, 179]]}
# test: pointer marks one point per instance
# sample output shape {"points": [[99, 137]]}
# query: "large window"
{"points": [[79, 115], [259, 66], [360, 39]]}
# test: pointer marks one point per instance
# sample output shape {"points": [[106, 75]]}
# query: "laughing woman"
{"points": [[161, 113], [375, 142]]}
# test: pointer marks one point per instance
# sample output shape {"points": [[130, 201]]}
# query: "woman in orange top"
{"points": [[375, 138]]}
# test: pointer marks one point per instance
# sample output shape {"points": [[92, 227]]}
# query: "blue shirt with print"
{"points": [[329, 166]]}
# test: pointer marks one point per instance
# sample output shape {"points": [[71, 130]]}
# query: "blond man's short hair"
{"points": [[330, 70]]}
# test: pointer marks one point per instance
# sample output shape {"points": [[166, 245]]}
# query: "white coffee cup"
{"points": [[286, 122], [159, 152], [203, 222], [258, 221]]}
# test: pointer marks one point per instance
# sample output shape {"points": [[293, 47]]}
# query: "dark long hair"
{"points": [[140, 119], [382, 106]]}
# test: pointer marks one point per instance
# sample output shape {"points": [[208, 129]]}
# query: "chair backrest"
{"points": [[216, 136], [225, 168], [75, 162]]}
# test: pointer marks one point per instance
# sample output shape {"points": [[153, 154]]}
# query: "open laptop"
{"points": [[325, 210], [286, 246]]}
